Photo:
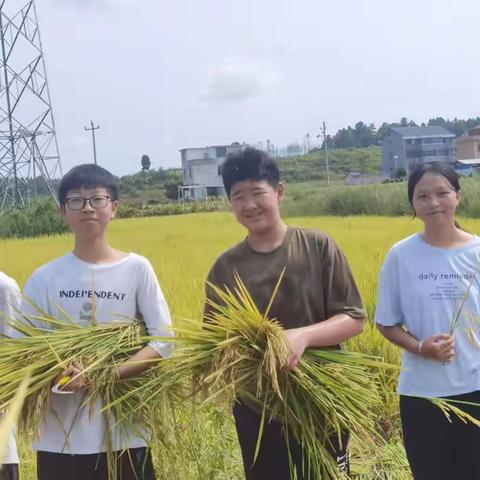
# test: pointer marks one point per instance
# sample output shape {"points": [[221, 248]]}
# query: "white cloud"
{"points": [[236, 80]]}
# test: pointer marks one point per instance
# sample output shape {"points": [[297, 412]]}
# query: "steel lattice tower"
{"points": [[29, 158]]}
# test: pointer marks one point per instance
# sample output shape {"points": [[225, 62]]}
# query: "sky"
{"points": [[158, 76]]}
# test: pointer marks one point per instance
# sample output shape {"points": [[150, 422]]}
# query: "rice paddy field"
{"points": [[181, 249]]}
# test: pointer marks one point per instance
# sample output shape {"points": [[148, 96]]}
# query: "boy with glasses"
{"points": [[98, 283]]}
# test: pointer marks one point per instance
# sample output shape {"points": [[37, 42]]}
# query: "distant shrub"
{"points": [[41, 217], [381, 199]]}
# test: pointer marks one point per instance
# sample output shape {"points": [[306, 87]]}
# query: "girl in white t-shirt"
{"points": [[423, 286], [9, 302]]}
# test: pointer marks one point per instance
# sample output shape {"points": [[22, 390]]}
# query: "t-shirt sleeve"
{"points": [[153, 308], [213, 278], [341, 294], [388, 311], [9, 305], [34, 304]]}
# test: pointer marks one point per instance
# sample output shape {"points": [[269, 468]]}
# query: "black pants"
{"points": [[133, 464], [9, 471], [272, 461], [436, 448]]}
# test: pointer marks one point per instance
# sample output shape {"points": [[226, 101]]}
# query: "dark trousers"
{"points": [[436, 448], [9, 471], [272, 461], [132, 464]]}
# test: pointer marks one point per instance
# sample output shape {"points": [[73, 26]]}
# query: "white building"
{"points": [[201, 170]]}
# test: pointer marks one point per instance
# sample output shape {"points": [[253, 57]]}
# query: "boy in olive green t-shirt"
{"points": [[318, 302]]}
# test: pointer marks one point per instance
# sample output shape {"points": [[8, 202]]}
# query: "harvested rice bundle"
{"points": [[44, 351], [7, 423], [238, 353]]}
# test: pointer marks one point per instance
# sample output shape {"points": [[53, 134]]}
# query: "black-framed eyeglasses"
{"points": [[95, 201]]}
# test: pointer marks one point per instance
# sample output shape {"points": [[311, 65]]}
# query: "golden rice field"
{"points": [[181, 249]]}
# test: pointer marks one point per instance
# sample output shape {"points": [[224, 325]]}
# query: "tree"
{"points": [[344, 138], [146, 163], [400, 173], [382, 131], [294, 149], [364, 134]]}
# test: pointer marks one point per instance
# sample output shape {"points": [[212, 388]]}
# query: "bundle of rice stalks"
{"points": [[45, 351], [387, 462], [7, 424], [238, 353]]}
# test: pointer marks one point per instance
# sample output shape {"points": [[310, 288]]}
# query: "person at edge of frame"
{"points": [[424, 281], [9, 304]]}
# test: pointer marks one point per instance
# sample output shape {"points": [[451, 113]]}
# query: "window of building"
{"points": [[190, 172], [219, 170], [221, 152], [478, 147]]}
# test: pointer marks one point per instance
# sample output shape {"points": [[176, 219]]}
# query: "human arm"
{"points": [[439, 347], [333, 331], [390, 317], [342, 306], [135, 365], [154, 311]]}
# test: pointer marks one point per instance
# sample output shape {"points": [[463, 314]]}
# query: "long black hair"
{"points": [[442, 169]]}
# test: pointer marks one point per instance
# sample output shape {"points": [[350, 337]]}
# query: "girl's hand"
{"points": [[297, 343], [439, 347], [78, 380]]}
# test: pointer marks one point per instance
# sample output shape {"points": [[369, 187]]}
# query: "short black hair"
{"points": [[87, 176], [249, 164], [442, 169]]}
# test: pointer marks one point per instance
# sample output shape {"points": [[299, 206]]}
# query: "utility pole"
{"points": [[325, 147], [92, 129], [307, 143]]}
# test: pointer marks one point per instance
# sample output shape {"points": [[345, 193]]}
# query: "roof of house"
{"points": [[473, 131], [212, 146], [412, 132], [470, 161]]}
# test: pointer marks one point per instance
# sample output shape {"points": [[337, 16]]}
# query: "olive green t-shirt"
{"points": [[317, 284]]}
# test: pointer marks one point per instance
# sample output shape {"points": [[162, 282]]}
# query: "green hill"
{"points": [[341, 161]]}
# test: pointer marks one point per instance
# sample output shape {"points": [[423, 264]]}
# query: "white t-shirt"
{"points": [[422, 288], [9, 302], [127, 288]]}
